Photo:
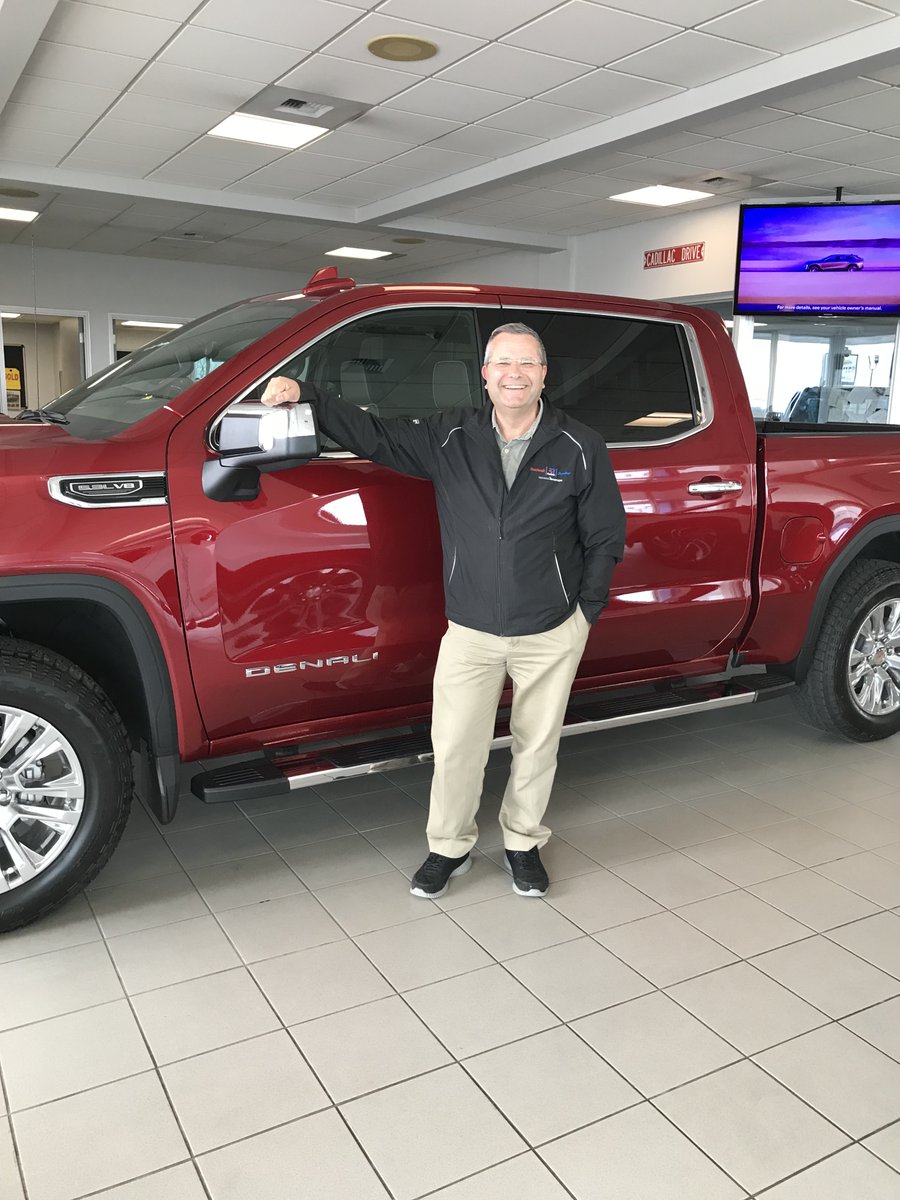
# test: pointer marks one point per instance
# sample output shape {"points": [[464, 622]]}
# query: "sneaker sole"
{"points": [[460, 870], [521, 891]]}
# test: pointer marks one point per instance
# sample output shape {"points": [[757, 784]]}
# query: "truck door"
{"points": [[685, 474], [323, 597]]}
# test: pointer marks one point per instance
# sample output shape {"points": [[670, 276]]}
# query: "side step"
{"points": [[266, 776]]}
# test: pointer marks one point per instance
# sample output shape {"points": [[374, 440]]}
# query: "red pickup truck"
{"points": [[186, 575]]}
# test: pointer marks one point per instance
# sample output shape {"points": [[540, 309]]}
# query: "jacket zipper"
{"points": [[559, 573]]}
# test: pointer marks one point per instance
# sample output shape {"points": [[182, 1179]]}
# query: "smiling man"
{"points": [[532, 526]]}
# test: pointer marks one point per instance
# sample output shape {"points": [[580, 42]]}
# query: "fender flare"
{"points": [[830, 579], [153, 670]]}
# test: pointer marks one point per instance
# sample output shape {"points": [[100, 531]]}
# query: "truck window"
{"points": [[624, 377]]}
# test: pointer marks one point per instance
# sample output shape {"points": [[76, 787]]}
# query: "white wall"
{"points": [[520, 268]]}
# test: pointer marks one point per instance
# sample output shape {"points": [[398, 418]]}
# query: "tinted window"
{"points": [[625, 378]]}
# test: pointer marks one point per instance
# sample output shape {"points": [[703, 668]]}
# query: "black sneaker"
{"points": [[527, 870], [435, 873]]}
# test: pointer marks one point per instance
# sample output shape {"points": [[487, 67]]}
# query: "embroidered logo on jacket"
{"points": [[554, 474]]}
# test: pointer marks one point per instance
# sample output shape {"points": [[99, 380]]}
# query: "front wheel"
{"points": [[853, 684], [65, 781]]}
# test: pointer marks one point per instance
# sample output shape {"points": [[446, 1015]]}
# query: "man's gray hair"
{"points": [[515, 327]]}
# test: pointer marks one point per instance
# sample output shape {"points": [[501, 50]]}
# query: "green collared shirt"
{"points": [[512, 452]]}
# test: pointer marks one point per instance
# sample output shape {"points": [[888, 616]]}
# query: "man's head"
{"points": [[515, 367]]}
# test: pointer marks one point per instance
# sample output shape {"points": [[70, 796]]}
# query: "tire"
{"points": [[853, 684], [51, 846]]}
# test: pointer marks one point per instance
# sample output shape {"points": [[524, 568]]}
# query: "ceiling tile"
{"points": [[447, 162], [774, 25], [148, 110], [23, 117], [77, 65], [789, 191], [171, 10], [399, 126], [469, 16], [367, 83], [108, 29], [803, 99], [351, 191], [685, 12], [113, 159], [864, 148], [198, 170], [343, 143], [150, 221], [167, 82], [793, 133], [649, 171], [609, 93], [225, 152], [855, 178], [745, 118], [434, 98], [227, 54], [493, 143], [718, 155], [591, 33], [112, 241], [649, 146], [874, 112], [540, 119], [391, 173], [276, 231], [353, 45], [57, 93], [788, 166], [131, 133], [522, 73], [884, 75], [590, 162], [692, 59], [37, 148], [319, 20], [220, 223]]}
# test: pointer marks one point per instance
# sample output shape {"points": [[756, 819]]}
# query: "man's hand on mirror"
{"points": [[281, 390]]}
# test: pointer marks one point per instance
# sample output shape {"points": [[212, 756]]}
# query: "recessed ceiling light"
{"points": [[152, 324], [17, 193], [398, 48], [408, 241], [264, 131], [354, 252], [660, 196], [9, 316], [17, 214]]}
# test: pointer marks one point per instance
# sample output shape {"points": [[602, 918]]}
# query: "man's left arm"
{"points": [[601, 524]]}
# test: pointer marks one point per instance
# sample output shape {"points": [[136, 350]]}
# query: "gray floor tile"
{"points": [[422, 952], [513, 925], [369, 1047], [855, 1086], [313, 983], [886, 805], [365, 785], [10, 1180], [681, 783], [673, 879], [612, 841], [852, 1172], [814, 900], [848, 785], [218, 844], [858, 825], [629, 794], [318, 1150], [339, 860], [679, 825], [800, 795], [570, 807], [655, 1044], [70, 1126], [155, 958], [577, 1087], [403, 844], [746, 1007], [739, 810], [128, 907], [280, 926], [374, 903], [746, 770], [880, 1026], [870, 875], [630, 1156], [479, 1011], [241, 1090], [892, 852], [48, 985], [72, 925], [665, 948], [55, 1058], [741, 860], [752, 1126], [245, 881], [522, 1178], [743, 923], [828, 976], [377, 809], [485, 881], [806, 844], [203, 1014], [173, 1183], [561, 860], [137, 860], [886, 1145], [314, 821], [876, 939], [599, 900], [139, 825], [193, 813], [469, 1136], [577, 977]]}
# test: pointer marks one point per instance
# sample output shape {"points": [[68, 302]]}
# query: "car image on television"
{"points": [[835, 262]]}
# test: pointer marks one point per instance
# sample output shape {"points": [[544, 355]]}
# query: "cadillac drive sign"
{"points": [[673, 256]]}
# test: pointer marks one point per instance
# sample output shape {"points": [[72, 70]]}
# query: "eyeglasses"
{"points": [[519, 362]]}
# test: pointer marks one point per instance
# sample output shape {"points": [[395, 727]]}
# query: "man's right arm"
{"points": [[403, 443]]}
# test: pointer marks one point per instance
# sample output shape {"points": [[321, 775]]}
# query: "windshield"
{"points": [[122, 395]]}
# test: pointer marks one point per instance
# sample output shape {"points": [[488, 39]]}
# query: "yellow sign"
{"points": [[13, 379]]}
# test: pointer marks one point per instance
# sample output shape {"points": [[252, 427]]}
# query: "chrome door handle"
{"points": [[714, 487]]}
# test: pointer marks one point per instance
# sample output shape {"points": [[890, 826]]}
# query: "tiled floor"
{"points": [[250, 1006]]}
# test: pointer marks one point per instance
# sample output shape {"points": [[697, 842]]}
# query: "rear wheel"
{"points": [[853, 684], [65, 781]]}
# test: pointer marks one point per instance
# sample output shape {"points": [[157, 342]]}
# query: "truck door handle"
{"points": [[714, 487]]}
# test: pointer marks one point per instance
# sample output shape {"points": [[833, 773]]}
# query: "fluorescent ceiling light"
{"points": [[152, 324], [9, 316], [660, 196], [264, 131], [353, 252], [17, 214]]}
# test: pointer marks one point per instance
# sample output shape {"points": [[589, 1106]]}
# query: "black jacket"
{"points": [[515, 562]]}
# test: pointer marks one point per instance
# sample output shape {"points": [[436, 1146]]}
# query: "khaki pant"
{"points": [[469, 678]]}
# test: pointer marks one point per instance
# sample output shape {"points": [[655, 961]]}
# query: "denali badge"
{"points": [[315, 664]]}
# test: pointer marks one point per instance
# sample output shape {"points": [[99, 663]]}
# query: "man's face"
{"points": [[513, 383]]}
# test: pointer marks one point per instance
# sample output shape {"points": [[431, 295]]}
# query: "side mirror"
{"points": [[254, 438]]}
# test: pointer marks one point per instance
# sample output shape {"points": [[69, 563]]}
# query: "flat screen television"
{"points": [[835, 259]]}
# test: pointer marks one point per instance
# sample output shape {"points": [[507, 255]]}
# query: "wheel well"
{"points": [[886, 546]]}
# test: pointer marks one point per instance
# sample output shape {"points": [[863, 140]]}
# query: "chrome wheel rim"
{"points": [[873, 670], [41, 795]]}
